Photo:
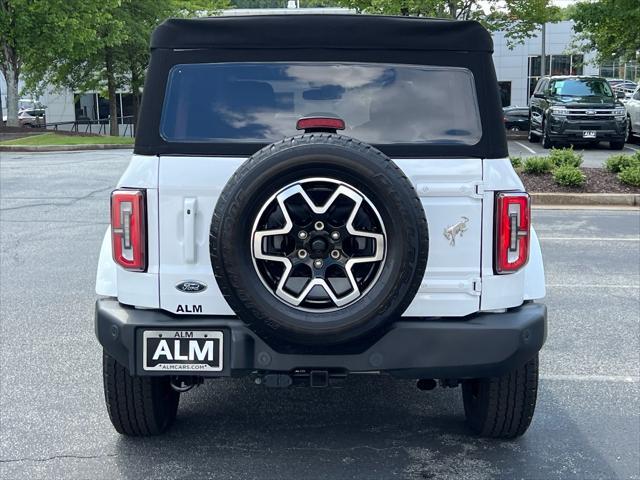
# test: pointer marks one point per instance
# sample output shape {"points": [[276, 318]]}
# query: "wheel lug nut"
{"points": [[302, 235], [335, 235], [302, 253], [317, 263], [319, 225], [335, 254]]}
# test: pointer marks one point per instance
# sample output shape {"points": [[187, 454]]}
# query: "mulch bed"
{"points": [[598, 180]]}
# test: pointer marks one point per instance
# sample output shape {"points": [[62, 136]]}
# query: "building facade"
{"points": [[518, 68]]}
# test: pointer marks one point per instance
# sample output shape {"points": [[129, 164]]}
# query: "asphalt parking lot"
{"points": [[593, 156], [53, 423]]}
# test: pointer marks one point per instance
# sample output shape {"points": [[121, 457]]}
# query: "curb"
{"points": [[589, 199], [63, 148]]}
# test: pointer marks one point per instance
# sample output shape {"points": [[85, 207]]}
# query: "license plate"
{"points": [[589, 134], [182, 350]]}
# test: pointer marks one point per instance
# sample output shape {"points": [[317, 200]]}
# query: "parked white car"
{"points": [[633, 110]]}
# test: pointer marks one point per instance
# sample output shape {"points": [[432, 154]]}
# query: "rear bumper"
{"points": [[482, 345]]}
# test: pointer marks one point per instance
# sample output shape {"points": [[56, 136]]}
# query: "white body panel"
{"points": [[106, 276], [633, 109], [182, 193]]}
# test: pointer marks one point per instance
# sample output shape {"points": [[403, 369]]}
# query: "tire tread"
{"points": [[505, 405], [137, 406]]}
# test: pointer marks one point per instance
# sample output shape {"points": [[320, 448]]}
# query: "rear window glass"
{"points": [[261, 102]]}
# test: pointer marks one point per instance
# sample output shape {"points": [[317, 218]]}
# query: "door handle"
{"points": [[189, 233]]}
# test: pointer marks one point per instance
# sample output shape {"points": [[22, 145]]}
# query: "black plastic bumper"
{"points": [[482, 345], [565, 129]]}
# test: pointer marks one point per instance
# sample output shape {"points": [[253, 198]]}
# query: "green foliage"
{"points": [[610, 27], [33, 29], [617, 163], [110, 51], [516, 162], [282, 3], [519, 19], [60, 139], [258, 3], [538, 165], [569, 176], [120, 28], [565, 156], [630, 175]]}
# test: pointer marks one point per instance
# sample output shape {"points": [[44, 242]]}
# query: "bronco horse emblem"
{"points": [[455, 229]]}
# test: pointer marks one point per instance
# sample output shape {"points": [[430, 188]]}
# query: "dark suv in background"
{"points": [[577, 109]]}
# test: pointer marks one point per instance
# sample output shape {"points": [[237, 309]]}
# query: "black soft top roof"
{"points": [[323, 31], [322, 38]]}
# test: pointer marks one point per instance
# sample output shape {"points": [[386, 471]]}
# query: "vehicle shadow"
{"points": [[373, 427]]}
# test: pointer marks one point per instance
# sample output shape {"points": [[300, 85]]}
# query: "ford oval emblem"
{"points": [[191, 286]]}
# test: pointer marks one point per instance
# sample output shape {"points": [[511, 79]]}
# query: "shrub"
{"points": [[565, 156], [516, 162], [617, 163], [569, 176], [538, 165], [630, 175]]}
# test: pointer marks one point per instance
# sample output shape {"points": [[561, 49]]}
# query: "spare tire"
{"points": [[318, 239]]}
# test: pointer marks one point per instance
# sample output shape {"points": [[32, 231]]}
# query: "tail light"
{"points": [[513, 223], [128, 229]]}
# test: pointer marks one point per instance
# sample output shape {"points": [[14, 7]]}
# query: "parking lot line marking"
{"points": [[531, 150], [592, 285], [593, 378], [593, 239], [632, 148]]}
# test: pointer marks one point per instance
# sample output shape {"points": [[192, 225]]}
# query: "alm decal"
{"points": [[189, 309], [195, 351]]}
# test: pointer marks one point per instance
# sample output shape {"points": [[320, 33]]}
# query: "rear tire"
{"points": [[137, 406], [502, 407], [616, 145], [532, 137]]}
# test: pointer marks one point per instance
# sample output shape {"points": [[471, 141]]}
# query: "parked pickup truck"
{"points": [[317, 196]]}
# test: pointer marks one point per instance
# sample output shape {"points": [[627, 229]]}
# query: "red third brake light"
{"points": [[128, 229], [513, 223], [320, 123]]}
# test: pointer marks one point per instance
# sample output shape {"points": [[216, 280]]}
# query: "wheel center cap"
{"points": [[319, 245]]}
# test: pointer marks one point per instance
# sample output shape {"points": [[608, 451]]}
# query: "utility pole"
{"points": [[544, 55]]}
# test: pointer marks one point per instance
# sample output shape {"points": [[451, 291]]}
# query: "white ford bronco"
{"points": [[316, 196]]}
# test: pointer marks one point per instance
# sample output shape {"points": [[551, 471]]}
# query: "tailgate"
{"points": [[449, 190]]}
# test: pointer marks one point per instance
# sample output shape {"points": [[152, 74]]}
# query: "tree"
{"points": [[611, 27], [259, 3], [283, 3], [118, 54], [140, 18], [30, 27], [12, 37], [518, 18]]}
